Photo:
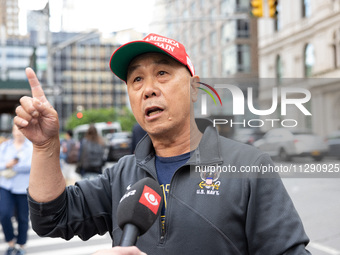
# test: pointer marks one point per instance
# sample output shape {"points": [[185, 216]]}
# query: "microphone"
{"points": [[138, 209]]}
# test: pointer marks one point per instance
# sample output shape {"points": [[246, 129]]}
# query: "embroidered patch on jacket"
{"points": [[210, 184]]}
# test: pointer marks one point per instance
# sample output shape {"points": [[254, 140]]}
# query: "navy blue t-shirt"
{"points": [[166, 167]]}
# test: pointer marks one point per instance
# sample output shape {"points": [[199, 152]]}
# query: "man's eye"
{"points": [[137, 79], [161, 72]]}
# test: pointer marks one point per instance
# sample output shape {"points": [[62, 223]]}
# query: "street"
{"points": [[57, 246], [316, 200]]}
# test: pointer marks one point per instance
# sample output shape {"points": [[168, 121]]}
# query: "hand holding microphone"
{"points": [[12, 163], [120, 251], [137, 211]]}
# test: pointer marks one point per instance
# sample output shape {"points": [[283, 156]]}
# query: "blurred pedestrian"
{"points": [[137, 134], [15, 166], [2, 139], [91, 159], [70, 156]]}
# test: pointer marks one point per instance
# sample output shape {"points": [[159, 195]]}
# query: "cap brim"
{"points": [[122, 57]]}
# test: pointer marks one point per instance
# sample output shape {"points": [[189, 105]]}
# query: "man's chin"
{"points": [[160, 132]]}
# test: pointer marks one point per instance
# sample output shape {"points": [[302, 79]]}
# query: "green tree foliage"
{"points": [[127, 119], [124, 116]]}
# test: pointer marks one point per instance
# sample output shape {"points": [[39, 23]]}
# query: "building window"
{"points": [[243, 58], [242, 28], [228, 32], [194, 50], [193, 8], [228, 61], [242, 5], [335, 49], [202, 3], [227, 6], [236, 58], [214, 66], [309, 60], [170, 28], [213, 14], [306, 10], [277, 23], [213, 39], [203, 44], [185, 13], [204, 68], [278, 69]]}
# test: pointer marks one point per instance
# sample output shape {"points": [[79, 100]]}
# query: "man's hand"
{"points": [[120, 251], [36, 118], [12, 163], [38, 121]]}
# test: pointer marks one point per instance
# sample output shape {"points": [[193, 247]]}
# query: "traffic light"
{"points": [[80, 109], [257, 8], [272, 8], [79, 115]]}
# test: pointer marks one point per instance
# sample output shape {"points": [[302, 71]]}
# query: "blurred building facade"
{"points": [[301, 48], [219, 35], [15, 51], [80, 77], [9, 18], [73, 68], [81, 71]]}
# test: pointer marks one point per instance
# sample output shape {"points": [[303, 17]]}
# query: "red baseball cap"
{"points": [[122, 57]]}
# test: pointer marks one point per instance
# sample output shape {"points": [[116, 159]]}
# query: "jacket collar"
{"points": [[208, 151]]}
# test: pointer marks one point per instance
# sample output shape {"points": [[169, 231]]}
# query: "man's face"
{"points": [[159, 92]]}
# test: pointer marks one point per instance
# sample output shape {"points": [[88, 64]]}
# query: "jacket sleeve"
{"points": [[273, 225], [84, 209]]}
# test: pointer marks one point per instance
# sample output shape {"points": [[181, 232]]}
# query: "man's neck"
{"points": [[178, 144]]}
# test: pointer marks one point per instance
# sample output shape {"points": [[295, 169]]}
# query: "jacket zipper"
{"points": [[166, 220], [162, 238], [161, 227]]}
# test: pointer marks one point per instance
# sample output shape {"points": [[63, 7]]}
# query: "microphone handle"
{"points": [[129, 236]]}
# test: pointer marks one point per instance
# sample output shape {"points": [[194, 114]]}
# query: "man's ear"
{"points": [[194, 85]]}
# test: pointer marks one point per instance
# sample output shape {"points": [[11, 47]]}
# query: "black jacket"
{"points": [[229, 213]]}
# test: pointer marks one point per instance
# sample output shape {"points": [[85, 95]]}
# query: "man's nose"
{"points": [[151, 88]]}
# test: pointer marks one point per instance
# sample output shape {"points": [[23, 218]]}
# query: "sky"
{"points": [[105, 15]]}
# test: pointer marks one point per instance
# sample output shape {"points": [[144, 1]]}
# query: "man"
{"points": [[15, 166], [70, 155], [204, 213]]}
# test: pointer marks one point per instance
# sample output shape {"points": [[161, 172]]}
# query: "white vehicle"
{"points": [[287, 144], [104, 129]]}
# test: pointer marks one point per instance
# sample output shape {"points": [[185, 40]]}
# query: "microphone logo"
{"points": [[150, 199]]}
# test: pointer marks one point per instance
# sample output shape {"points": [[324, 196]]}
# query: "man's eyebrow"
{"points": [[132, 68], [162, 61]]}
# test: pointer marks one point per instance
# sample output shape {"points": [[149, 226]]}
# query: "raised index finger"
{"points": [[37, 91]]}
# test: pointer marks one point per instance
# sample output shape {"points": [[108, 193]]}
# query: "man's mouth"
{"points": [[153, 111]]}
